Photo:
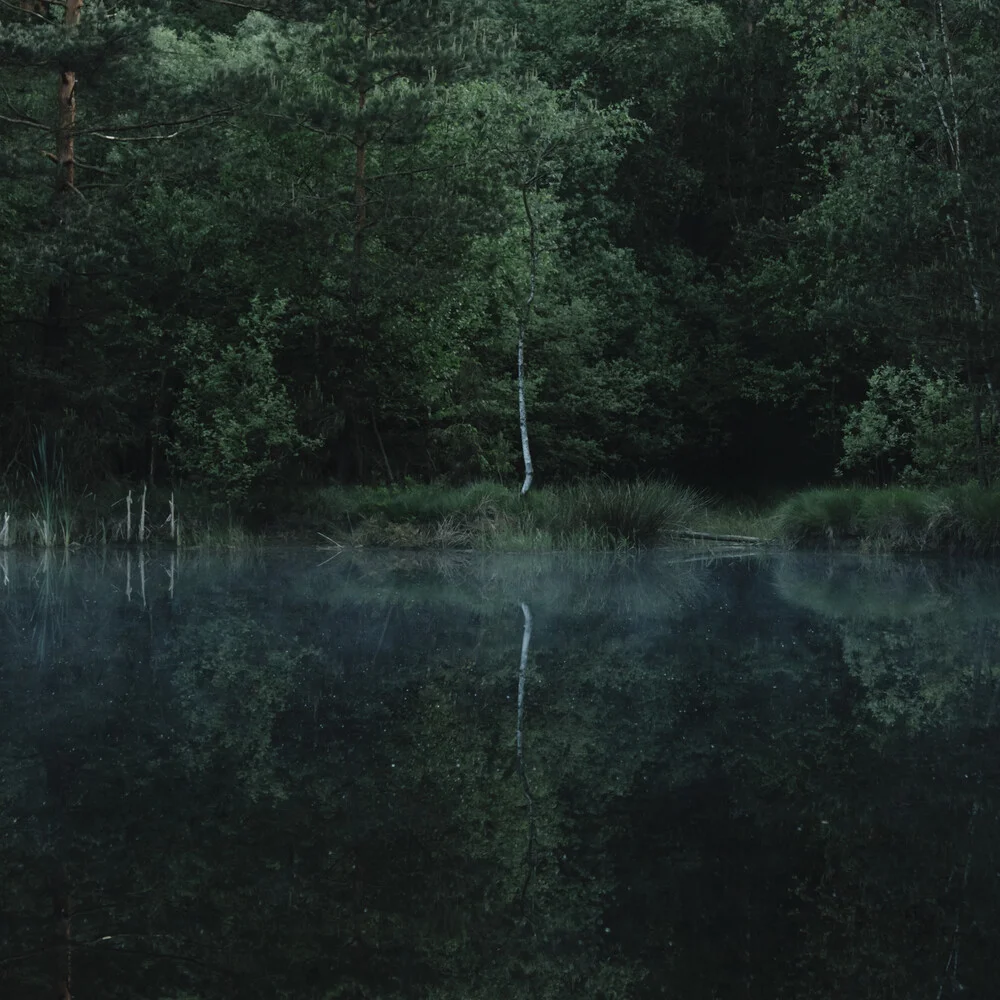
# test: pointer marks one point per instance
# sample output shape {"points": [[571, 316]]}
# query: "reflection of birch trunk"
{"points": [[522, 328], [522, 686], [63, 944], [522, 681]]}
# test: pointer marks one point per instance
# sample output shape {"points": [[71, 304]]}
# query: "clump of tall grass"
{"points": [[819, 515], [965, 518], [416, 503], [746, 519], [52, 519], [213, 534], [378, 532], [601, 513], [894, 518]]}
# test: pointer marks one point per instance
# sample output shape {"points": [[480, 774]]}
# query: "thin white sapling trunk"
{"points": [[522, 328]]}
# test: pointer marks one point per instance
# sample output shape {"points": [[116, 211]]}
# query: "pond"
{"points": [[302, 774]]}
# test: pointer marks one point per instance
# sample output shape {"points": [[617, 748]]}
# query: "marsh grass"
{"points": [[962, 518], [597, 514], [418, 504], [51, 517], [745, 518], [605, 514], [819, 515], [216, 535], [588, 516], [40, 510], [966, 518], [894, 518]]}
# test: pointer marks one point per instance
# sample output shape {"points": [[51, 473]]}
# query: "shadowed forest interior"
{"points": [[746, 244]]}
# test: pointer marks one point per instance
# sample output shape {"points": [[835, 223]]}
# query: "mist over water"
{"points": [[389, 775]]}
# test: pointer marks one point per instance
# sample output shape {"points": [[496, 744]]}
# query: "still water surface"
{"points": [[462, 777]]}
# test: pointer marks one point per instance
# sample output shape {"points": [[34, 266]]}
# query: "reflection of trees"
{"points": [[921, 638], [252, 791], [271, 780], [909, 835]]}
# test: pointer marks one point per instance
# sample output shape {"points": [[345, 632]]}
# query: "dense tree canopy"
{"points": [[242, 244]]}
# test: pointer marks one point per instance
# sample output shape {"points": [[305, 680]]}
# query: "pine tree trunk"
{"points": [[65, 158], [360, 164], [360, 195], [66, 98]]}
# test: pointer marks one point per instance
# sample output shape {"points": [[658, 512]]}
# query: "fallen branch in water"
{"points": [[709, 536]]}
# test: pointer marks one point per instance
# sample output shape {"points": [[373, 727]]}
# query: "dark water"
{"points": [[262, 777]]}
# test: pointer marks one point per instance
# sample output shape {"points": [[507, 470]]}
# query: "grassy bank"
{"points": [[593, 515], [597, 515], [53, 516], [959, 518]]}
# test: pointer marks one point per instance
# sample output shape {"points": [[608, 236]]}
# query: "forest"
{"points": [[749, 245]]}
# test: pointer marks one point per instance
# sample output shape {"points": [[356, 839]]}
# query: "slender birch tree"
{"points": [[539, 138]]}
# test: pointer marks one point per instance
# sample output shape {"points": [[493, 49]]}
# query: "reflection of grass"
{"points": [[860, 587], [491, 586], [627, 583]]}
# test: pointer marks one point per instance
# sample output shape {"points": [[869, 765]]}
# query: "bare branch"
{"points": [[29, 122], [140, 138], [24, 10], [344, 136], [143, 126], [242, 6]]}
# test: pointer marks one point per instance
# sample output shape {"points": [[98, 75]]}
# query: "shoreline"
{"points": [[592, 516]]}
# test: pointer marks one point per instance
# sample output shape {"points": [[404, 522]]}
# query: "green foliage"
{"points": [[235, 423], [913, 427], [742, 216]]}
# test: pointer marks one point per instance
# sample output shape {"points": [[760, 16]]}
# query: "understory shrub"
{"points": [[234, 424], [916, 428]]}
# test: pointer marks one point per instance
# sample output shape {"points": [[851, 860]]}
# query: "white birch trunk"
{"points": [[523, 410], [529, 472]]}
